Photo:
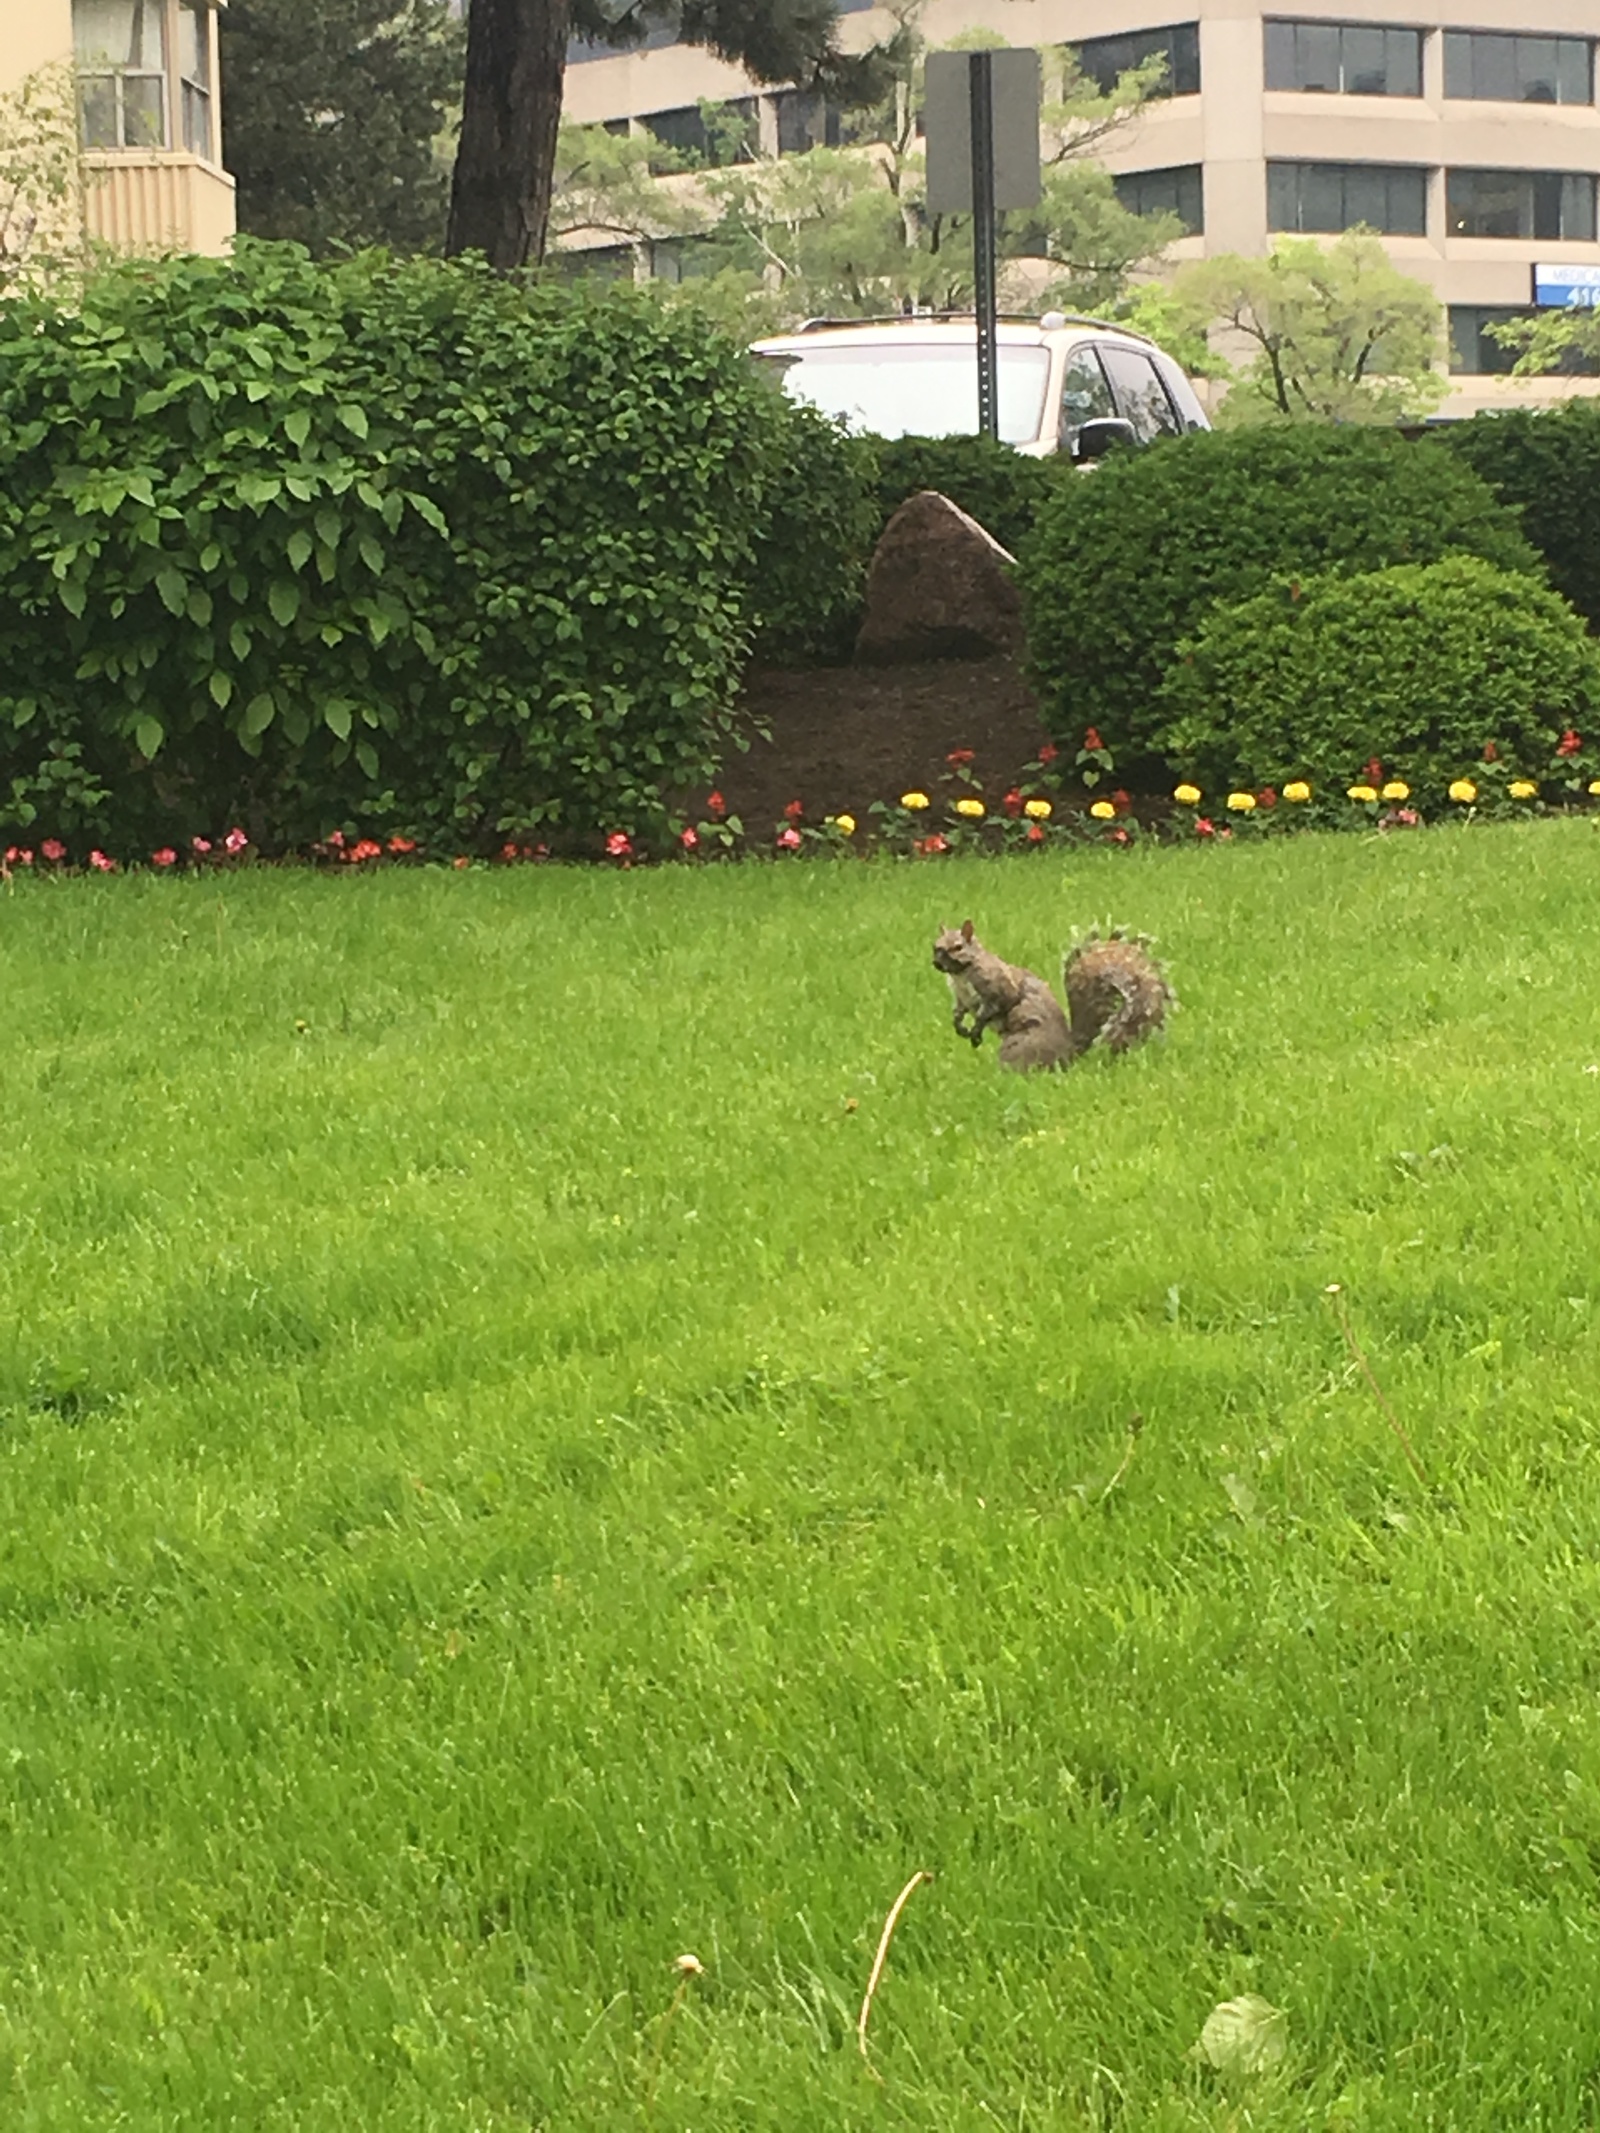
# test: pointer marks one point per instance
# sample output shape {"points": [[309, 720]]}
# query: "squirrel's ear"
{"points": [[966, 929]]}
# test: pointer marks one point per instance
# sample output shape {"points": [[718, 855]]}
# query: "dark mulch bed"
{"points": [[845, 736]]}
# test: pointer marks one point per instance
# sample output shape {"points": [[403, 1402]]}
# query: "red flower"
{"points": [[1404, 817], [402, 844], [1012, 803], [166, 857], [1569, 743], [689, 839], [18, 855], [1266, 797], [958, 758], [461, 860], [53, 849], [1204, 826], [1092, 738], [367, 848], [236, 840], [508, 852], [789, 839], [716, 806], [1049, 752], [1120, 836], [794, 811], [1373, 772], [540, 851], [619, 845], [1120, 801], [1491, 753], [201, 845], [1035, 833], [101, 864], [933, 844]]}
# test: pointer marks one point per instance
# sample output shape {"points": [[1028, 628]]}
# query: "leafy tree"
{"points": [[41, 222], [1552, 340], [330, 118], [516, 63], [1339, 332]]}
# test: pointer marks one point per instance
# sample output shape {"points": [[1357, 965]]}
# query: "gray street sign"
{"points": [[947, 124]]}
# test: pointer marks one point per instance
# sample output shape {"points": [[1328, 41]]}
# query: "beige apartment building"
{"points": [[148, 113], [1466, 131]]}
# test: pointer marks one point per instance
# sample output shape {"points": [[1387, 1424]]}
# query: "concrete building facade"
{"points": [[1466, 131], [149, 113]]}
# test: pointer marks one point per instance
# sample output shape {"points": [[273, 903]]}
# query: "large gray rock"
{"points": [[939, 587]]}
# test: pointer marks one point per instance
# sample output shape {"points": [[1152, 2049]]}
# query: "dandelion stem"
{"points": [[1341, 1312], [1135, 1424], [889, 1924]]}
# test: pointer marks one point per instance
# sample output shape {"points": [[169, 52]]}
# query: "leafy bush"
{"points": [[1420, 666], [395, 543], [1002, 489], [821, 524], [1547, 465], [1126, 561]]}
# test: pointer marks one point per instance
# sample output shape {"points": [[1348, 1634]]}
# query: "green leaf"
{"points": [[336, 717], [298, 549], [354, 418], [283, 597], [221, 687], [72, 596], [367, 757], [198, 607], [259, 713], [173, 588], [241, 640], [371, 553], [297, 427], [148, 734]]}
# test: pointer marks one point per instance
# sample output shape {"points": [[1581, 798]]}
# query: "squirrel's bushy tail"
{"points": [[1117, 993]]}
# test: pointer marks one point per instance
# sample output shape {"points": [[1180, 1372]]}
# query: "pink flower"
{"points": [[367, 848], [166, 857], [929, 846], [1120, 836], [1204, 826], [689, 839], [789, 839], [235, 841], [401, 845], [716, 806], [201, 845], [1570, 742], [619, 845], [18, 855], [335, 838], [1035, 833], [461, 860], [53, 850], [101, 864]]}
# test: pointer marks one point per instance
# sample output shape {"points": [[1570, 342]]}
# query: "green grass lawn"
{"points": [[553, 1419]]}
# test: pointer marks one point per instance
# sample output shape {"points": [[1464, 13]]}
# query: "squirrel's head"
{"points": [[956, 948]]}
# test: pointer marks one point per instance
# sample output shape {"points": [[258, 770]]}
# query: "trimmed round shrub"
{"points": [[1546, 464], [1419, 666], [396, 544], [1004, 490], [1125, 561]]}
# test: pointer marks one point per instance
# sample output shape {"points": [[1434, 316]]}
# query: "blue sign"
{"points": [[1567, 288]]}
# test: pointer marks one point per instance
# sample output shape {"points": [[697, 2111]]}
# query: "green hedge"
{"points": [[1419, 667], [390, 544], [1126, 561], [1547, 465], [1004, 490]]}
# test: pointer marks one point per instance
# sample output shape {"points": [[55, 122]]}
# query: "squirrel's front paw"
{"points": [[975, 1039]]}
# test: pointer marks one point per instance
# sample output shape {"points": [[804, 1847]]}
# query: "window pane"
{"points": [[194, 45], [1404, 50], [125, 33], [1494, 68], [1474, 351], [1141, 396], [1576, 71], [1536, 69], [1316, 47], [1366, 198], [1489, 203], [144, 111], [1366, 69], [1164, 192], [1280, 56], [921, 389], [1322, 196], [1085, 395], [1577, 209], [1103, 59], [1283, 196], [196, 120], [1408, 204], [1185, 59], [1330, 197], [97, 106]]}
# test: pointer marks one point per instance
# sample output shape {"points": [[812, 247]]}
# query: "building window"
{"points": [[1518, 70], [711, 134], [1477, 354], [600, 262], [1391, 197], [1520, 203], [121, 50], [1344, 58], [1177, 191], [806, 120], [144, 74], [1104, 59]]}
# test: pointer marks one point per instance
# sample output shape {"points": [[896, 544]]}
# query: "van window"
{"points": [[1085, 394], [1141, 396]]}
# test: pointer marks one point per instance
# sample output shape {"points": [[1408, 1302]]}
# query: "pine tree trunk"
{"points": [[500, 194]]}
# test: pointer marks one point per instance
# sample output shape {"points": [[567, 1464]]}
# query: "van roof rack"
{"points": [[948, 318]]}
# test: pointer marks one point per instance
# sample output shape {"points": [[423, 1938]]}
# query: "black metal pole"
{"points": [[981, 76]]}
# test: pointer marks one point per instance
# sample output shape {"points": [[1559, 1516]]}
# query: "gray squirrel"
{"points": [[1116, 992]]}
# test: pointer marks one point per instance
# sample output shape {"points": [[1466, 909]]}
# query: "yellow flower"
{"points": [[1186, 795], [1395, 790], [1299, 790], [1103, 811], [1464, 791], [1594, 788], [916, 801], [972, 809], [1363, 792], [1242, 803], [1523, 789], [844, 824], [1040, 809]]}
